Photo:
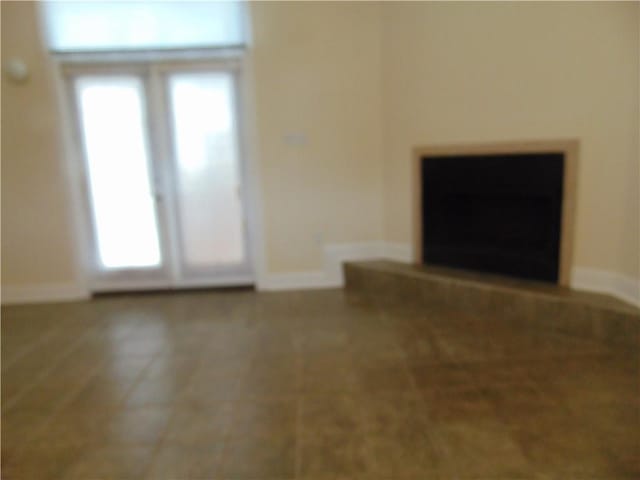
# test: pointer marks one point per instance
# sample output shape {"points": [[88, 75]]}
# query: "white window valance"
{"points": [[90, 26]]}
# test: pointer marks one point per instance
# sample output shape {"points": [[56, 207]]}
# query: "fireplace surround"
{"points": [[504, 208]]}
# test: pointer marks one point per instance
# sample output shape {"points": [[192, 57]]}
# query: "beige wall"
{"points": [[317, 73], [36, 234], [364, 83], [458, 72]]}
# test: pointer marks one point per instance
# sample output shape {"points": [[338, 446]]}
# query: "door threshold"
{"points": [[172, 290]]}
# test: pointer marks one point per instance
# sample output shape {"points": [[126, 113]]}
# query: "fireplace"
{"points": [[500, 208]]}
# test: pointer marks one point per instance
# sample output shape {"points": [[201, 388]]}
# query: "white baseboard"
{"points": [[331, 276], [49, 292], [335, 255], [602, 281], [295, 281]]}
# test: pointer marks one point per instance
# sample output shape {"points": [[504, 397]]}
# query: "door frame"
{"points": [[160, 153]]}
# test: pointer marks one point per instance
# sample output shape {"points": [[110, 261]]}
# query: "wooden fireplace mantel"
{"points": [[568, 147]]}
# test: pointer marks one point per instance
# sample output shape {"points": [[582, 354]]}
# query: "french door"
{"points": [[163, 173]]}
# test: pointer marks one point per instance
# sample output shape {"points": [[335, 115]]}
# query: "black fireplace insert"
{"points": [[494, 213]]}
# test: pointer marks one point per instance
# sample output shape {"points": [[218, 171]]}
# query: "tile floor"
{"points": [[306, 385]]}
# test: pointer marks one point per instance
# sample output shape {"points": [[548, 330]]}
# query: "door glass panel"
{"points": [[113, 128], [210, 212]]}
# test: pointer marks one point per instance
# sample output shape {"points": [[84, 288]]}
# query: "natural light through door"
{"points": [[112, 121], [207, 173]]}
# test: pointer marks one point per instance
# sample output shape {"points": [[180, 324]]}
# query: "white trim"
{"points": [[171, 273], [231, 53], [335, 255], [254, 194], [331, 276], [305, 280], [602, 281], [70, 158], [47, 292]]}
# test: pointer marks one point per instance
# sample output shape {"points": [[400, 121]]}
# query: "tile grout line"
{"points": [[298, 429], [40, 377]]}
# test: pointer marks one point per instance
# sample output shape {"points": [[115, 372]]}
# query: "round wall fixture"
{"points": [[16, 70]]}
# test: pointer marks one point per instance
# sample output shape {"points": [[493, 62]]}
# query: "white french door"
{"points": [[163, 169]]}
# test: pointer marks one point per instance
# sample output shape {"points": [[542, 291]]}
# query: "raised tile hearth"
{"points": [[531, 304]]}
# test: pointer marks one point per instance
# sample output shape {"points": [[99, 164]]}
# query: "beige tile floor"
{"points": [[240, 385]]}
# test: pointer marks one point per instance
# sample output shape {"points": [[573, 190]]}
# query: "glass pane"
{"points": [[125, 25], [207, 170], [112, 121]]}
